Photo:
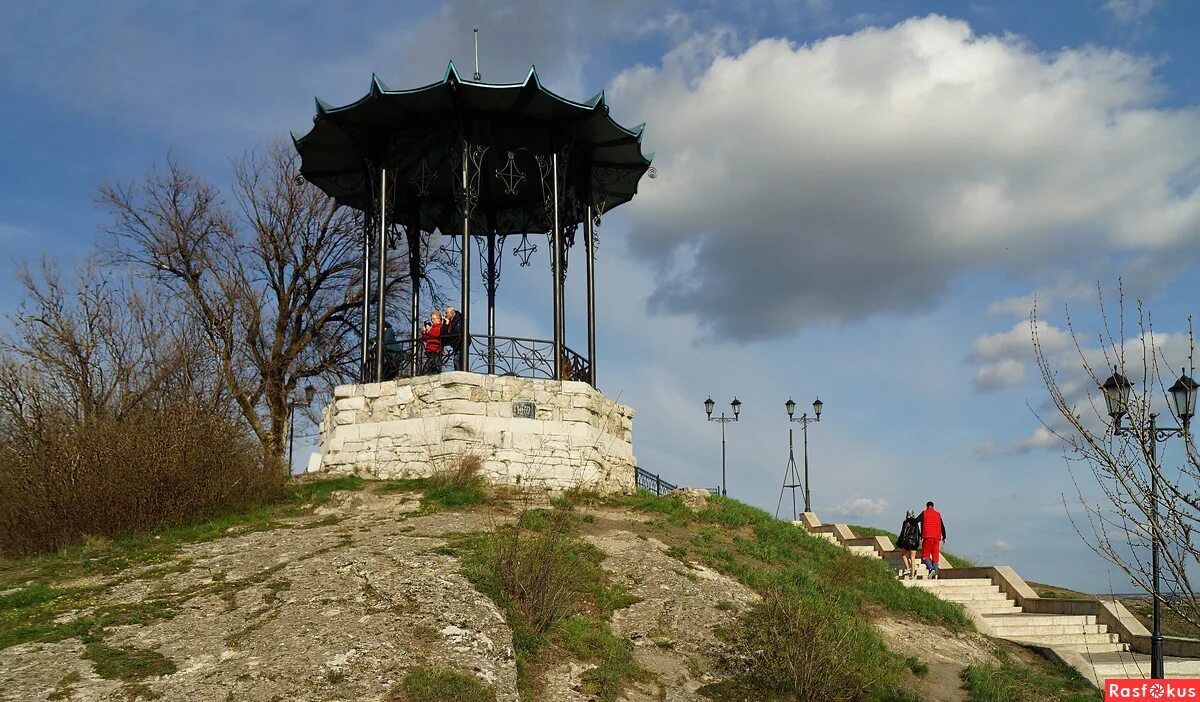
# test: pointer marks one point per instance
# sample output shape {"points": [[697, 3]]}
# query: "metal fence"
{"points": [[653, 482]]}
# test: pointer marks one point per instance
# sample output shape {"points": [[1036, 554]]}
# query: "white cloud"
{"points": [[1040, 438], [1017, 342], [861, 507], [1004, 356], [1004, 373], [1002, 545], [1128, 11], [862, 173]]}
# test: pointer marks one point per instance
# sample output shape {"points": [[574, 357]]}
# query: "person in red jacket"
{"points": [[432, 338], [933, 533]]}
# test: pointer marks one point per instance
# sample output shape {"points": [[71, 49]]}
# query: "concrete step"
{"points": [[1027, 619], [1071, 639], [824, 535], [1137, 665], [1006, 608], [965, 597], [961, 582], [1015, 630], [932, 586], [1095, 648], [865, 551], [1025, 633]]}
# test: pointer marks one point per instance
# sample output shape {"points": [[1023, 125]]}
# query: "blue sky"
{"points": [[856, 199]]}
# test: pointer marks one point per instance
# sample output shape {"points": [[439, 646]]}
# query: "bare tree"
{"points": [[87, 347], [274, 282], [1118, 508]]}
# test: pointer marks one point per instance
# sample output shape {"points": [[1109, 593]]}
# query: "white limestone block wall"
{"points": [[415, 427]]}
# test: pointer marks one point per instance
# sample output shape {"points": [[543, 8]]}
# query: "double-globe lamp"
{"points": [[722, 420], [1117, 390], [804, 420]]}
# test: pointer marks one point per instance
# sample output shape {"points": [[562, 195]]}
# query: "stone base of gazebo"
{"points": [[545, 434]]}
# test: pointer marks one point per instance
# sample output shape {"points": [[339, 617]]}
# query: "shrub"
{"points": [[809, 648], [460, 485], [110, 475]]}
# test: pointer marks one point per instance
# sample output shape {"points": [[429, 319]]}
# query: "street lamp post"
{"points": [[309, 393], [1183, 396], [804, 420], [722, 420]]}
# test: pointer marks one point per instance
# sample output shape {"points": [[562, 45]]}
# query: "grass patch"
{"points": [[765, 553], [1039, 681], [916, 667], [127, 663], [806, 647], [556, 597], [440, 685]]}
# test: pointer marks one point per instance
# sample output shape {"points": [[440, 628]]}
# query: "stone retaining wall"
{"points": [[414, 427]]}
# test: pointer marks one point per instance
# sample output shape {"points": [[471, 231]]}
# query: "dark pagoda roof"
{"points": [[419, 134]]}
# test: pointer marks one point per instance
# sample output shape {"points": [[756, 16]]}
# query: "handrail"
{"points": [[497, 355]]}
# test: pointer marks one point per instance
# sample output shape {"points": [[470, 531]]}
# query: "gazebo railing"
{"points": [[504, 355]]}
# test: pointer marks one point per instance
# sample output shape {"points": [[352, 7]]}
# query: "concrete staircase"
{"points": [[1006, 620], [1093, 636]]}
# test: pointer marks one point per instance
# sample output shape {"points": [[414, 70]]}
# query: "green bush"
{"points": [[808, 648]]}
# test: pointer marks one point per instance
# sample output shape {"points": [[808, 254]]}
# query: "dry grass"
{"points": [[110, 476]]}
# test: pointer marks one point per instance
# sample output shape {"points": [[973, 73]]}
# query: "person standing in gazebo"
{"points": [[432, 338], [452, 337]]}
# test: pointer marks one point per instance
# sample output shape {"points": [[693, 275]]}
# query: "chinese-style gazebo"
{"points": [[479, 163]]}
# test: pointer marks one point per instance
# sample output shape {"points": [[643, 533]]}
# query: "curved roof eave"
{"points": [[378, 90]]}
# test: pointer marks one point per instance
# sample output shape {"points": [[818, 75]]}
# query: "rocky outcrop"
{"points": [[342, 603]]}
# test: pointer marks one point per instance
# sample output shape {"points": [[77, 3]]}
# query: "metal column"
{"points": [[556, 253], [491, 293], [1157, 669], [381, 213], [364, 372], [590, 246], [414, 275], [465, 342]]}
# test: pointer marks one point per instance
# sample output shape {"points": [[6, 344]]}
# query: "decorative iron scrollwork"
{"points": [[525, 250], [468, 198], [490, 275], [423, 178], [510, 175]]}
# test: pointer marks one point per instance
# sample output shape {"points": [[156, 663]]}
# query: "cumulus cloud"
{"points": [[862, 173], [1002, 374], [1003, 356], [861, 507]]}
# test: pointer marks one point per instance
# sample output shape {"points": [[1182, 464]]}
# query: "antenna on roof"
{"points": [[478, 76]]}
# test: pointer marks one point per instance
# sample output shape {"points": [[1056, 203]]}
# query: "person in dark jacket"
{"points": [[391, 352], [452, 337], [908, 543], [933, 533]]}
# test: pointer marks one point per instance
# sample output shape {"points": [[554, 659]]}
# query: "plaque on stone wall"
{"points": [[523, 409]]}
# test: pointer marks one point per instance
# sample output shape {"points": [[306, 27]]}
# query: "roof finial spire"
{"points": [[478, 76]]}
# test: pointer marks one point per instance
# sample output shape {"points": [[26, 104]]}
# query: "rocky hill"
{"points": [[384, 593]]}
